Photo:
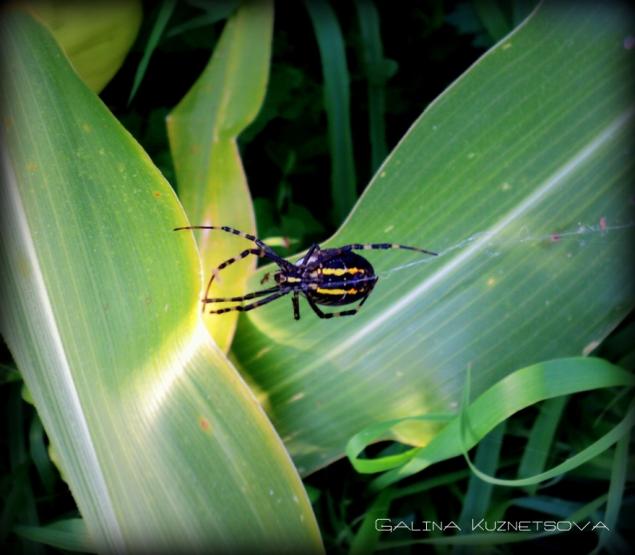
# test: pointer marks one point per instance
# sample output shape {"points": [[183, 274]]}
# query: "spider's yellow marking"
{"points": [[293, 280], [341, 271], [337, 291]]}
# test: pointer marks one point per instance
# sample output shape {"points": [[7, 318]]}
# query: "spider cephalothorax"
{"points": [[328, 277]]}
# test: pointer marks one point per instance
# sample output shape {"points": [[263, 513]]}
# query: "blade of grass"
{"points": [[366, 537], [39, 455], [513, 393], [479, 492], [164, 12], [376, 67], [214, 12], [493, 18], [67, 535], [337, 104], [540, 439], [615, 495]]}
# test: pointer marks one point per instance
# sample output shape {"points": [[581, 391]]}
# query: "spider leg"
{"points": [[386, 246], [326, 315], [244, 297], [270, 252], [258, 252], [296, 305], [368, 246], [245, 308]]}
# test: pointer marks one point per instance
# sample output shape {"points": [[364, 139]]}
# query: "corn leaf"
{"points": [[163, 446], [520, 175], [96, 36], [203, 130]]}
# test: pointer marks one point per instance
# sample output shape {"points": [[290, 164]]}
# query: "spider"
{"points": [[328, 277]]}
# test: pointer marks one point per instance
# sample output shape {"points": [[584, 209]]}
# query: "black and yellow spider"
{"points": [[329, 277]]}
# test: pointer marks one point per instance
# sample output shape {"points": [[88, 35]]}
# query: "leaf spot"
{"points": [[204, 424]]}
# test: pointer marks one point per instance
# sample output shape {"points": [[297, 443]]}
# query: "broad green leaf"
{"points": [[163, 446], [520, 175], [203, 130], [96, 36]]}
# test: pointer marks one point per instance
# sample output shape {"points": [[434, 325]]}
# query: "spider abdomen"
{"points": [[341, 279]]}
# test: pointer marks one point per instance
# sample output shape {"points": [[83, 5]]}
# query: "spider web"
{"points": [[581, 233]]}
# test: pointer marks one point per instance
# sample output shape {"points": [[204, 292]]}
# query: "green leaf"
{"points": [[479, 493], [337, 105], [213, 12], [203, 130], [96, 36], [375, 66], [520, 175], [616, 493], [69, 535], [540, 439], [164, 12], [493, 17], [39, 455], [162, 444], [513, 393]]}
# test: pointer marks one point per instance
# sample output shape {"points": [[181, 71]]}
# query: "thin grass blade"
{"points": [[376, 74], [164, 12], [337, 103]]}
